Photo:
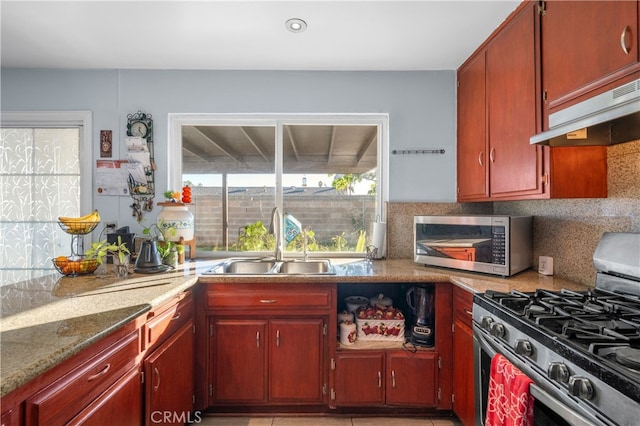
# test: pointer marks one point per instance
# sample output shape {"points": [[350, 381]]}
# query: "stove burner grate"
{"points": [[626, 355]]}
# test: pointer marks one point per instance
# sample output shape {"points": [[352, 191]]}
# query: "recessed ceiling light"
{"points": [[295, 25]]}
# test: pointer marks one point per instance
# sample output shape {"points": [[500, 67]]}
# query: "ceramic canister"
{"points": [[381, 300], [178, 217], [345, 316], [354, 302], [348, 333]]}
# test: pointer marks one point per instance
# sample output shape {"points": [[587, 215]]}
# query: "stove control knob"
{"points": [[485, 322], [580, 387], [523, 347], [496, 329], [558, 371]]}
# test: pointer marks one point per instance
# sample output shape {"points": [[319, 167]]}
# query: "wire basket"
{"points": [[78, 228], [73, 268]]}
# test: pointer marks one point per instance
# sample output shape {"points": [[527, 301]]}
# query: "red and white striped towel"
{"points": [[510, 402]]}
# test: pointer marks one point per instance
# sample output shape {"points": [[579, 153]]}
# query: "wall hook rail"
{"points": [[417, 151]]}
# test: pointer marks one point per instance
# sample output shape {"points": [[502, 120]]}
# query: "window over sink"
{"points": [[323, 172]]}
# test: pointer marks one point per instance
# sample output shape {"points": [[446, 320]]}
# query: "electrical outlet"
{"points": [[110, 227], [545, 265]]}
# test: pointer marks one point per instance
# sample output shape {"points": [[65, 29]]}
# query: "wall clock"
{"points": [[140, 125]]}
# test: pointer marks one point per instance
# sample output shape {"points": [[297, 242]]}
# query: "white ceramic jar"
{"points": [[355, 302], [381, 300], [348, 333], [177, 216]]}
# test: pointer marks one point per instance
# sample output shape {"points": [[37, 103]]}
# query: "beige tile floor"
{"points": [[324, 421]]}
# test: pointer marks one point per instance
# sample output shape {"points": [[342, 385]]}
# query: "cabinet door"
{"points": [[463, 403], [464, 399], [581, 43], [412, 379], [472, 135], [120, 405], [296, 360], [239, 350], [515, 165], [169, 379], [359, 378]]}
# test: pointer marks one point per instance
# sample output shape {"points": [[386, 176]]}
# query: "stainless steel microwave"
{"points": [[499, 245]]}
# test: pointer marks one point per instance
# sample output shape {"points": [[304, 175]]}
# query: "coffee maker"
{"points": [[422, 303]]}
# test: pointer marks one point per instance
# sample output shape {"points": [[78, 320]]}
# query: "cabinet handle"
{"points": [[257, 339], [177, 316], [278, 338], [379, 379], [545, 179], [492, 155], [268, 300], [623, 40], [468, 312], [157, 374], [393, 378], [481, 158], [100, 373]]}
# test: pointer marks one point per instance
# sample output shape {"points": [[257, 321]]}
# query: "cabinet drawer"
{"points": [[120, 405], [167, 321], [462, 305], [64, 398], [265, 298]]}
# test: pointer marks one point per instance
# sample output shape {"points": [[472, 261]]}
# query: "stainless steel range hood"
{"points": [[606, 119]]}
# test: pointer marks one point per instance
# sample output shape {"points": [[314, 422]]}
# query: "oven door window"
{"points": [[545, 416]]}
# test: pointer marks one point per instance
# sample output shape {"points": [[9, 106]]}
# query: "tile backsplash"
{"points": [[567, 230]]}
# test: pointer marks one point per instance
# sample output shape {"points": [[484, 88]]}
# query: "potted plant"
{"points": [[171, 196], [169, 250], [121, 255]]}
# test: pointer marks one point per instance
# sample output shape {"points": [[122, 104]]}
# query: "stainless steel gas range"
{"points": [[581, 349]]}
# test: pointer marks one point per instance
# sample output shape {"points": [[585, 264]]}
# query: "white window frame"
{"points": [[176, 121]]}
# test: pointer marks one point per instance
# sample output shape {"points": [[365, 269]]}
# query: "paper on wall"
{"points": [[136, 144], [140, 157], [112, 177], [136, 170]]}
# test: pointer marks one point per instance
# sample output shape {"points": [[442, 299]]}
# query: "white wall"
{"points": [[420, 104]]}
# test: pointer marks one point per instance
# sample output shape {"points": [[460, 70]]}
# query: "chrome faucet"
{"points": [[276, 230]]}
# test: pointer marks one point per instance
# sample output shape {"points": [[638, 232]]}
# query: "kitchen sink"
{"points": [[244, 267], [306, 267], [272, 267], [249, 267]]}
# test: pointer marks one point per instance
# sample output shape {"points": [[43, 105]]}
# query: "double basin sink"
{"points": [[273, 267]]}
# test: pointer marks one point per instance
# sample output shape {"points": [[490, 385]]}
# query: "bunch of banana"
{"points": [[82, 224]]}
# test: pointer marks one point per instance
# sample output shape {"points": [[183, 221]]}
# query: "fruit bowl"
{"points": [[78, 228], [73, 268]]}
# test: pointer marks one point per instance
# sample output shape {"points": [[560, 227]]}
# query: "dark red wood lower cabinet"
{"points": [[169, 380]]}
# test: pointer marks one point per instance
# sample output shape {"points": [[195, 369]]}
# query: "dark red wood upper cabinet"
{"points": [[473, 170], [586, 44], [512, 59]]}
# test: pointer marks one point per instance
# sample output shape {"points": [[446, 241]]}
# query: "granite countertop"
{"points": [[45, 321]]}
